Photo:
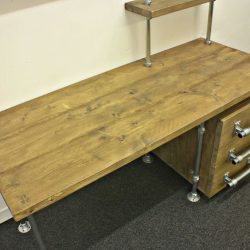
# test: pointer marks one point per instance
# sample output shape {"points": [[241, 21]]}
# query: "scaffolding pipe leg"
{"points": [[148, 62], [193, 196], [210, 21], [36, 232]]}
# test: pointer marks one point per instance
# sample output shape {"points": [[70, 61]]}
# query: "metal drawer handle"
{"points": [[241, 132], [238, 158], [233, 182]]}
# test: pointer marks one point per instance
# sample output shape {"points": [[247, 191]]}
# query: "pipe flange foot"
{"points": [[208, 42], [148, 64], [24, 227], [193, 197]]}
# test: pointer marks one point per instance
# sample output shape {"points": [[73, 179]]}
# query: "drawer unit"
{"points": [[225, 152], [228, 140]]}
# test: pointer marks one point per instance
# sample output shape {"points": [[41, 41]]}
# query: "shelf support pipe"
{"points": [[210, 22], [148, 62], [193, 196]]}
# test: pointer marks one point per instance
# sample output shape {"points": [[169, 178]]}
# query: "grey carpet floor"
{"points": [[140, 207]]}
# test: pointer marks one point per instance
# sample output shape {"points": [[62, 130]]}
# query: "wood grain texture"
{"points": [[59, 143], [161, 7]]}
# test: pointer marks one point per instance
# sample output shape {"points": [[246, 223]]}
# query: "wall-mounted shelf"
{"points": [[161, 7], [156, 8]]}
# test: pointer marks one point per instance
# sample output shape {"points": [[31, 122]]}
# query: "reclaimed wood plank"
{"points": [[98, 125], [161, 7]]}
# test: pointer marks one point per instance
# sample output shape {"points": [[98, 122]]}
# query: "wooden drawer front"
{"points": [[227, 140]]}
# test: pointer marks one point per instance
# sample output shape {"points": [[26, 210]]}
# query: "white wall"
{"points": [[4, 211], [231, 24], [48, 44]]}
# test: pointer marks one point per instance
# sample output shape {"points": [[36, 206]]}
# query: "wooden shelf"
{"points": [[61, 142], [161, 7]]}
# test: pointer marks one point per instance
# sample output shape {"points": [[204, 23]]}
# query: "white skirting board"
{"points": [[4, 211]]}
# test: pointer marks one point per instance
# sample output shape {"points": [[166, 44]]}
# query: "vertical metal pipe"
{"points": [[193, 195], [148, 62], [210, 21], [36, 232]]}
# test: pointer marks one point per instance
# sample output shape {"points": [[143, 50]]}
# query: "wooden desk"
{"points": [[61, 142]]}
